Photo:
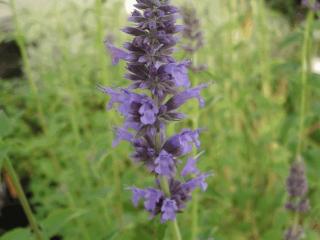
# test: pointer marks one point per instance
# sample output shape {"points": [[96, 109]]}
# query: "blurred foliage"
{"points": [[78, 181]]}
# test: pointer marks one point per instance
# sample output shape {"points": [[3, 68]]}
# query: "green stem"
{"points": [[195, 197], [117, 191], [22, 198], [26, 64], [174, 224], [304, 77], [260, 8]]}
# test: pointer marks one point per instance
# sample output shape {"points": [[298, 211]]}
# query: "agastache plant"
{"points": [[298, 202], [312, 5], [159, 87], [192, 35]]}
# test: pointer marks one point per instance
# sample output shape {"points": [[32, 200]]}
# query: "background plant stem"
{"points": [[26, 64], [195, 199], [305, 56], [23, 200]]}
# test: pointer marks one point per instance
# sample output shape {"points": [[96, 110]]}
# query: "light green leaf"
{"points": [[59, 219], [5, 125], [18, 233]]}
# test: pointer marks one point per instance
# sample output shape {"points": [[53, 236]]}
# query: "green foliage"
{"points": [[18, 233], [79, 181]]}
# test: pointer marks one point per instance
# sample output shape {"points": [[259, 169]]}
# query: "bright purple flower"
{"points": [[182, 143], [190, 167], [168, 209], [152, 197], [145, 152], [152, 69], [138, 109], [122, 135], [179, 73], [180, 98], [199, 181], [137, 194], [165, 164], [117, 54]]}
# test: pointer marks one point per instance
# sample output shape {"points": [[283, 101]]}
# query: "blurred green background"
{"points": [[57, 134]]}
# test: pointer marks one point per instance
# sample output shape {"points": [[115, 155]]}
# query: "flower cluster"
{"points": [[159, 87], [314, 6], [192, 34], [298, 202], [297, 187], [294, 234]]}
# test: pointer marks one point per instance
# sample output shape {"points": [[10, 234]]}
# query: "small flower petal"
{"points": [[168, 209]]}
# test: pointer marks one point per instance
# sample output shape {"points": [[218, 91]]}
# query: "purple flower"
{"points": [[152, 197], [159, 86], [180, 98], [168, 209], [179, 73], [137, 194], [138, 109], [122, 134], [298, 202], [312, 6], [199, 181], [190, 167], [165, 164], [294, 234], [297, 185], [182, 143], [192, 35], [117, 54]]}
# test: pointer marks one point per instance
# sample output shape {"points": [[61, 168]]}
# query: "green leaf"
{"points": [[145, 230], [57, 220], [5, 125], [18, 233], [150, 230], [3, 152]]}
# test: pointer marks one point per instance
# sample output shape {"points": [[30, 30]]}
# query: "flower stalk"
{"points": [[160, 86], [297, 185]]}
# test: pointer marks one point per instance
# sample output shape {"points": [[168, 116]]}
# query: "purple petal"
{"points": [[122, 134], [181, 143], [199, 181], [180, 98], [165, 165], [168, 209], [137, 194], [116, 97], [190, 167], [152, 197], [179, 73], [117, 54]]}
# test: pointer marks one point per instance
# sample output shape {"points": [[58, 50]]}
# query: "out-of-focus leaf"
{"points": [[3, 152], [18, 234], [5, 125], [146, 230], [294, 37], [59, 219]]}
